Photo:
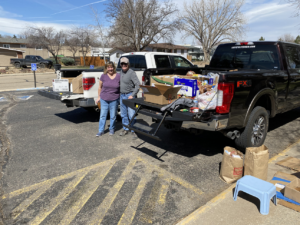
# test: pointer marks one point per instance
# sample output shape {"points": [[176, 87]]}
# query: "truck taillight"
{"points": [[143, 80], [225, 95], [88, 82]]}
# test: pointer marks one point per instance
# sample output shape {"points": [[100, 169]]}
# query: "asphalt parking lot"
{"points": [[56, 171]]}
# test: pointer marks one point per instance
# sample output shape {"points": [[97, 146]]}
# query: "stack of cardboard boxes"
{"points": [[66, 84], [175, 86]]}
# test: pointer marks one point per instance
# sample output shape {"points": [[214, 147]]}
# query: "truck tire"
{"points": [[17, 65], [255, 132]]}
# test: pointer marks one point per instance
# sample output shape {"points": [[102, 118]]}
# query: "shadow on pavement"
{"points": [[79, 115], [284, 118]]}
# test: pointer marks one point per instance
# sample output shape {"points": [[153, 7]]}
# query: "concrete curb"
{"points": [[23, 74], [219, 198], [25, 89]]}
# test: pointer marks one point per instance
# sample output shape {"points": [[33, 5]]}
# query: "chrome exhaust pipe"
{"points": [[237, 134], [231, 135]]}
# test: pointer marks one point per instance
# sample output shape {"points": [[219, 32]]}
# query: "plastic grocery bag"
{"points": [[208, 100], [256, 162], [232, 165]]}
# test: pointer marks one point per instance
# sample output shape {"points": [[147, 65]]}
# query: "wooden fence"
{"points": [[92, 60], [189, 57]]}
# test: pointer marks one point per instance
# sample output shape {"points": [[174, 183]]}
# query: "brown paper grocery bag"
{"points": [[231, 167], [256, 162]]}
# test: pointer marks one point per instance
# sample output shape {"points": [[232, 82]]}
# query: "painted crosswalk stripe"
{"points": [[55, 202], [25, 97], [25, 204], [89, 189], [80, 196], [131, 208], [164, 191], [147, 211], [110, 197]]}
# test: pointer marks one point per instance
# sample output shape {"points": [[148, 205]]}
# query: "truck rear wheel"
{"points": [[17, 65], [255, 132]]}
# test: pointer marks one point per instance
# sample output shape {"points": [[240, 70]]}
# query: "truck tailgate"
{"points": [[49, 93], [153, 110]]}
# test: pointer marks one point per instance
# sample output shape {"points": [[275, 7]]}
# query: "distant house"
{"points": [[168, 47], [7, 53], [116, 52], [99, 52], [23, 45]]}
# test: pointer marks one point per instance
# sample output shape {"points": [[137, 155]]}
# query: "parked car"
{"points": [[257, 81], [139, 62], [41, 63]]}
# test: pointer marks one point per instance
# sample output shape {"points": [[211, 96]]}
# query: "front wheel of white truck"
{"points": [[255, 132]]}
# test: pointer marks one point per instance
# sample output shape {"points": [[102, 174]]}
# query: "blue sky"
{"points": [[267, 18]]}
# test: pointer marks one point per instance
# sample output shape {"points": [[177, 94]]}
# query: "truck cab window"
{"points": [[240, 57], [181, 62], [293, 57], [140, 62], [162, 61]]}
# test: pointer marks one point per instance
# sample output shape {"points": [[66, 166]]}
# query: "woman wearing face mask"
{"points": [[108, 95]]}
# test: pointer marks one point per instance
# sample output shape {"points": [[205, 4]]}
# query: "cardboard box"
{"points": [[70, 79], [292, 190], [77, 85], [167, 78], [189, 86], [281, 180], [160, 94], [60, 85]]}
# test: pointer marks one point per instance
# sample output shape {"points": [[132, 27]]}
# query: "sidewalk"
{"points": [[224, 210], [23, 74]]}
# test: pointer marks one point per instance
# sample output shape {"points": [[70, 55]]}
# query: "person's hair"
{"points": [[110, 63]]}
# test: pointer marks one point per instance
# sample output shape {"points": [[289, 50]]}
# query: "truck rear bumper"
{"points": [[70, 99], [85, 103]]}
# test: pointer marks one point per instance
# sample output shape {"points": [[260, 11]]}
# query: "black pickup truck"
{"points": [[41, 63], [257, 80]]}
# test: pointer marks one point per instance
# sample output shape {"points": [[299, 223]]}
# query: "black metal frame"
{"points": [[144, 132]]}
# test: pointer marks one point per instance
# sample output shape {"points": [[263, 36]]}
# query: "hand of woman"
{"points": [[130, 97], [98, 100]]}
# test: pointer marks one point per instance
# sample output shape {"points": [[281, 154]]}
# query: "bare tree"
{"points": [[296, 5], [72, 43], [102, 32], [137, 23], [47, 38], [213, 21], [287, 38], [85, 36]]}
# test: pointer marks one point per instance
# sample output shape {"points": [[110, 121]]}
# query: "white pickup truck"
{"points": [[139, 62]]}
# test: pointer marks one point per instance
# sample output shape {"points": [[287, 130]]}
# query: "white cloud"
{"points": [[15, 26], [79, 7], [4, 13], [271, 21]]}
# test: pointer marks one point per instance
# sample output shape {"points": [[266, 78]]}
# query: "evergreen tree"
{"points": [[297, 40], [261, 38], [14, 36]]}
